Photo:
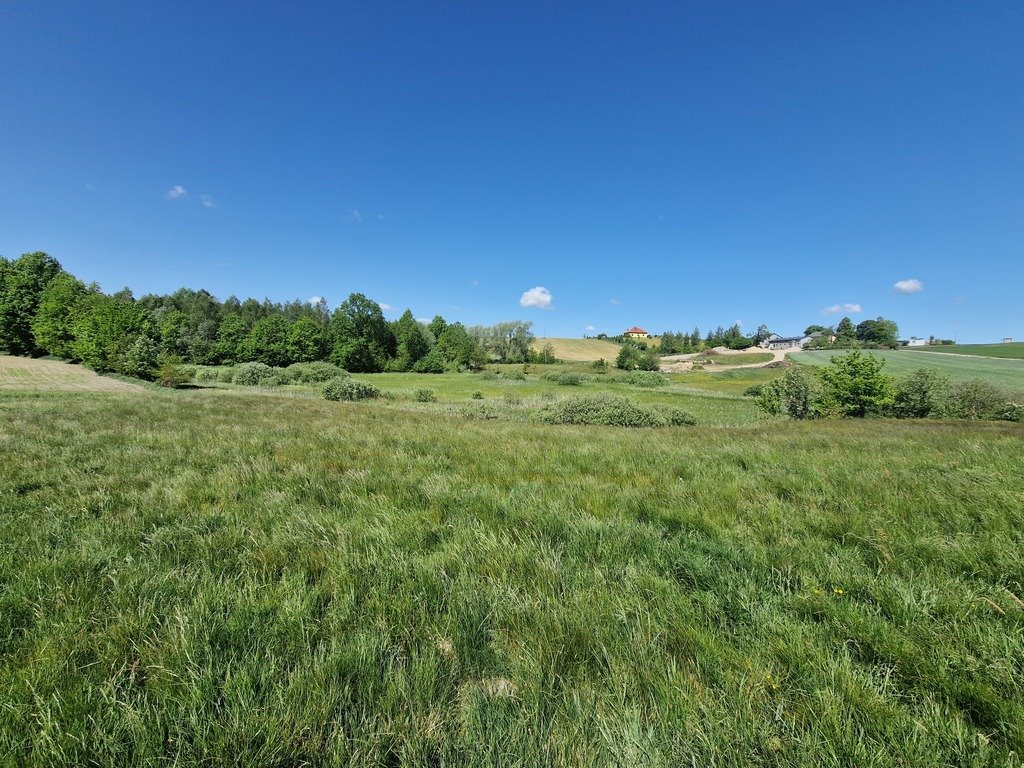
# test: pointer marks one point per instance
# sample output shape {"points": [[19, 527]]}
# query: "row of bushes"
{"points": [[853, 385], [605, 409], [263, 375]]}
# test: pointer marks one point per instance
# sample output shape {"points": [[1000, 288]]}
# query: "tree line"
{"points": [[47, 310]]}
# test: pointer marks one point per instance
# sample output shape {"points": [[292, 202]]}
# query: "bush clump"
{"points": [[488, 375], [256, 375], [605, 410], [566, 378], [349, 389], [646, 379], [316, 372], [680, 417], [514, 375], [425, 395], [754, 390], [171, 374], [478, 395]]}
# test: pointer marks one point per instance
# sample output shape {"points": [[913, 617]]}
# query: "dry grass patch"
{"points": [[24, 374]]}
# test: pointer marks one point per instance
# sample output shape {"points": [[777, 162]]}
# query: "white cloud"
{"points": [[422, 319], [614, 301], [539, 297], [207, 201], [385, 307], [837, 308], [315, 299], [354, 215], [909, 286], [177, 192], [588, 328], [476, 283]]}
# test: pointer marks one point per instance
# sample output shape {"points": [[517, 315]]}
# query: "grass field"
{"points": [[580, 350], [228, 577], [1014, 351], [26, 374], [1009, 373]]}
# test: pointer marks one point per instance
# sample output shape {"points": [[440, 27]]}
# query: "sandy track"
{"points": [[25, 374], [679, 363]]}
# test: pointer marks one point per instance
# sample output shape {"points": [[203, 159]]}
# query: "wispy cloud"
{"points": [[207, 201], [354, 215], [837, 308], [909, 286], [315, 299], [588, 328], [614, 301], [385, 307], [177, 192], [539, 297], [422, 319]]}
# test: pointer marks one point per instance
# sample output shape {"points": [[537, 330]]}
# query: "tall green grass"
{"points": [[222, 578]]}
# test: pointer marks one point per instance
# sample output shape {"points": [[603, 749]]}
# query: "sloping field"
{"points": [[193, 579], [1008, 373], [26, 374], [580, 350], [1014, 351]]}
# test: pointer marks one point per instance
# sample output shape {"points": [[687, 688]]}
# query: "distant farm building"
{"points": [[636, 333], [917, 342], [789, 342], [1008, 340]]}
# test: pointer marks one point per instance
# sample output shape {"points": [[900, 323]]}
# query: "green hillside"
{"points": [[580, 350], [1009, 373], [1014, 351]]}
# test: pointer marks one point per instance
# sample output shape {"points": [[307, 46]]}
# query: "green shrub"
{"points": [[226, 375], [754, 390], [256, 375], [924, 394], [170, 374], [796, 395], [680, 417], [600, 365], [514, 375], [207, 373], [488, 375], [646, 379], [189, 371], [349, 389], [478, 395], [425, 396], [978, 399], [566, 378], [481, 411], [604, 409], [511, 398], [316, 372], [854, 385]]}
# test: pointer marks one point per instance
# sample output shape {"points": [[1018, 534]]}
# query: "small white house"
{"points": [[1008, 340], [917, 342]]}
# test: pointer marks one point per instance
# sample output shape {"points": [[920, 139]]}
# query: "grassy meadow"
{"points": [[580, 350], [1008, 373], [229, 576], [1011, 350]]}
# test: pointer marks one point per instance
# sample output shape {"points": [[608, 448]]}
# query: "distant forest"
{"points": [[46, 310]]}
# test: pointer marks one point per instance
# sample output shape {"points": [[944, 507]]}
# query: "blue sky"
{"points": [[661, 164]]}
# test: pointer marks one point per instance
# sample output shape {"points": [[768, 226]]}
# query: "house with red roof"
{"points": [[636, 332]]}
